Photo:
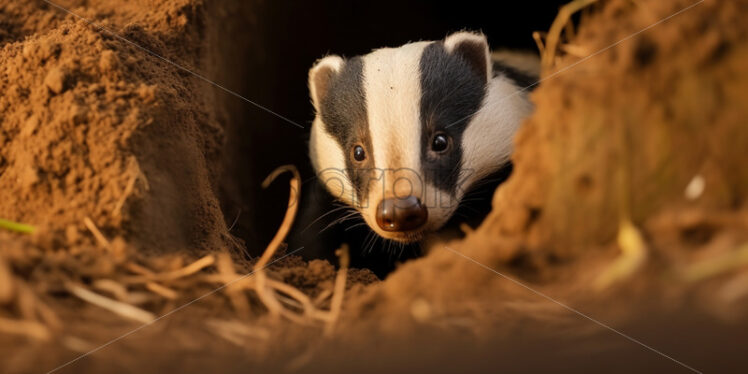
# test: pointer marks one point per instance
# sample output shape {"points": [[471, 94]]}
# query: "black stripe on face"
{"points": [[451, 93], [343, 112], [520, 78]]}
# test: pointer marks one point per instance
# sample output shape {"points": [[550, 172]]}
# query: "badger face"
{"points": [[401, 134]]}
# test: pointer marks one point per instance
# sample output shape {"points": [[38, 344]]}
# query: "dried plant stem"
{"points": [[160, 290], [149, 276], [234, 290], [265, 292], [119, 308], [103, 241], [538, 36], [339, 290], [288, 219]]}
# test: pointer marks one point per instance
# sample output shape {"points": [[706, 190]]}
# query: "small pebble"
{"points": [[695, 188]]}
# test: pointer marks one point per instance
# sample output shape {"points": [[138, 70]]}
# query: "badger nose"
{"points": [[401, 214]]}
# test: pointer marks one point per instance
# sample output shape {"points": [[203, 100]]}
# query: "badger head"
{"points": [[401, 134]]}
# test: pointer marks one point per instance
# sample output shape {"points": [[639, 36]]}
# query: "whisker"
{"points": [[373, 243], [325, 215], [356, 225], [333, 223], [365, 246]]}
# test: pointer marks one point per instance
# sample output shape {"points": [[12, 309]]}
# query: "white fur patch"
{"points": [[393, 90], [328, 160], [488, 140]]}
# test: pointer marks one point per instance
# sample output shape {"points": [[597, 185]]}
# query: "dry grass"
{"points": [[132, 286]]}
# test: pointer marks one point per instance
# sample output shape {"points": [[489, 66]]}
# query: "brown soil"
{"points": [[131, 166]]}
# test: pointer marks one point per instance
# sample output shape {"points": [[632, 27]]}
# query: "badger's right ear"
{"points": [[320, 76]]}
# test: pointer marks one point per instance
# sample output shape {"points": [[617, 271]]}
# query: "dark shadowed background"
{"points": [[292, 35]]}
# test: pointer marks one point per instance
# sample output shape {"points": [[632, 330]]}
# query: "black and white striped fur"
{"points": [[393, 101]]}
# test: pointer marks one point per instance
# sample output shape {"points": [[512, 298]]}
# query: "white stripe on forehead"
{"points": [[393, 91]]}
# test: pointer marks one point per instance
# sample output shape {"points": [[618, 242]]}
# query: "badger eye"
{"points": [[440, 143], [358, 153]]}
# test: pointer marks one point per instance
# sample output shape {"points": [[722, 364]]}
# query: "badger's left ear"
{"points": [[473, 47]]}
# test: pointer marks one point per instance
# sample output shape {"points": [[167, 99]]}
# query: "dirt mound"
{"points": [[102, 130], [129, 164]]}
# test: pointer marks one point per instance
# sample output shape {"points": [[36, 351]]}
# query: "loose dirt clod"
{"points": [[55, 80]]}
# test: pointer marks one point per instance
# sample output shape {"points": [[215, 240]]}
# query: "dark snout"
{"points": [[401, 214]]}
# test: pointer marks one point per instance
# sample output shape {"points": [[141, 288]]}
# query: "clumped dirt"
{"points": [[125, 164], [95, 129]]}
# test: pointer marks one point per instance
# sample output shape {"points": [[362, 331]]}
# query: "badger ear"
{"points": [[473, 47], [320, 76]]}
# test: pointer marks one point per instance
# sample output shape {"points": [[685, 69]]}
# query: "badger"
{"points": [[401, 136]]}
